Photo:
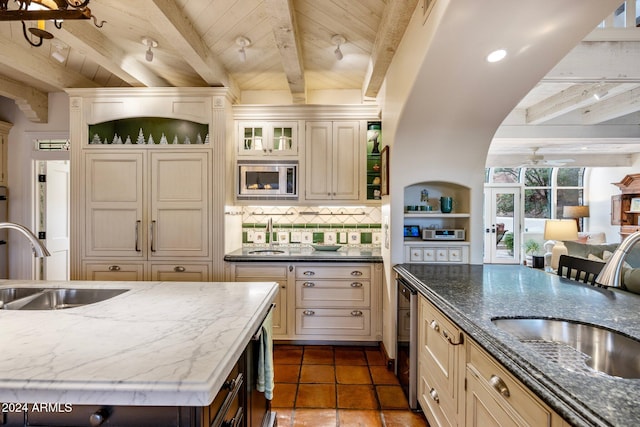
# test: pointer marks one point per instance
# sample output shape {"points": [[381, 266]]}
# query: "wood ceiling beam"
{"points": [[572, 98], [90, 40], [395, 19], [33, 103], [287, 38], [613, 107], [171, 21]]}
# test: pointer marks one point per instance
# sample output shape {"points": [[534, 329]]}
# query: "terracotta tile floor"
{"points": [[330, 386]]}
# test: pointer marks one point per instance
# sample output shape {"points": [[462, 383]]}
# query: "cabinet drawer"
{"points": [[435, 407], [117, 271], [254, 271], [342, 272], [498, 383], [333, 293], [333, 322], [180, 272]]}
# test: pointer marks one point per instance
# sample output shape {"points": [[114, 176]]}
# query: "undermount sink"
{"points": [[266, 252], [8, 295], [57, 299], [577, 346]]}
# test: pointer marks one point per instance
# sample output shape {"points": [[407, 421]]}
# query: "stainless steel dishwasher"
{"points": [[407, 341]]}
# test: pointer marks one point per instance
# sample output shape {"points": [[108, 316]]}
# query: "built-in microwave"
{"points": [[259, 179]]}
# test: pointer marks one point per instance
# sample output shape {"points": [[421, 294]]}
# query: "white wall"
{"points": [[21, 175]]}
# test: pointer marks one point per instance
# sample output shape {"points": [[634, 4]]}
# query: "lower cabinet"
{"points": [[157, 271], [321, 300], [459, 384]]}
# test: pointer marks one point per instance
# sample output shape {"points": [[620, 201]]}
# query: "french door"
{"points": [[502, 219]]}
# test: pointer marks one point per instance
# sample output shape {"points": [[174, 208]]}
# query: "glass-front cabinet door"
{"points": [[267, 139]]}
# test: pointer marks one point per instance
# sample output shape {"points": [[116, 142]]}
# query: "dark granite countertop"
{"points": [[471, 295], [306, 254]]}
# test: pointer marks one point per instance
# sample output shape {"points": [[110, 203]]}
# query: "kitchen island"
{"points": [[158, 344], [472, 295]]}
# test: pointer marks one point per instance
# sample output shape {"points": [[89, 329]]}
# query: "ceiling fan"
{"points": [[538, 160]]}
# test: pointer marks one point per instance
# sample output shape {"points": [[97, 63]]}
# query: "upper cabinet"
{"points": [[332, 160], [4, 140], [262, 139], [625, 207]]}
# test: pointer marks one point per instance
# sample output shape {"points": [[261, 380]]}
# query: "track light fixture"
{"points": [[243, 42], [45, 10], [338, 40], [149, 42]]}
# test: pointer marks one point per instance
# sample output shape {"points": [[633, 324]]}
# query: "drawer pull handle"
{"points": [[356, 273], [308, 284], [451, 341], [236, 420], [308, 312], [434, 395], [114, 268], [356, 313], [497, 383], [434, 325], [356, 285], [309, 273], [179, 269]]}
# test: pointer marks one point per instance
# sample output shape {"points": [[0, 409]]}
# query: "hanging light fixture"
{"points": [[243, 42], [338, 40], [45, 10], [149, 43]]}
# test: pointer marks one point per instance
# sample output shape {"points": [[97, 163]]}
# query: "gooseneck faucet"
{"points": [[270, 231], [38, 248], [611, 273]]}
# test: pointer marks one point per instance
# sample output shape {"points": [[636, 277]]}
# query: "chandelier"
{"points": [[44, 10]]}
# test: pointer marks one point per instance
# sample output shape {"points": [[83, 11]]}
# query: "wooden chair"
{"points": [[579, 269]]}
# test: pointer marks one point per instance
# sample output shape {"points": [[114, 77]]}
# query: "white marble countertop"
{"points": [[161, 343]]}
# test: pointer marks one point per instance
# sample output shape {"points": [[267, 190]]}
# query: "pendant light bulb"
{"points": [[338, 40], [150, 43]]}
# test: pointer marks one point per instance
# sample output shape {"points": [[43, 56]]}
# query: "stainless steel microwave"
{"points": [[267, 180]]}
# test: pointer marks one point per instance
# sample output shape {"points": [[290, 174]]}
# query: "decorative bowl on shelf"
{"points": [[322, 247]]}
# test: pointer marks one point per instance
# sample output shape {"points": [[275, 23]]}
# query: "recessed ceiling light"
{"points": [[496, 55]]}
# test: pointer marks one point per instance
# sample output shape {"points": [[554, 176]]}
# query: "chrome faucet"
{"points": [[270, 231], [38, 248], [611, 273]]}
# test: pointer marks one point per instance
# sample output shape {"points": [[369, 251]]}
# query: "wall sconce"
{"points": [[243, 42], [575, 212], [149, 42], [338, 40], [559, 230]]}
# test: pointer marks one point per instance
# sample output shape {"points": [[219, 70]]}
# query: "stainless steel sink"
{"points": [[266, 252], [57, 299], [8, 295], [578, 346]]}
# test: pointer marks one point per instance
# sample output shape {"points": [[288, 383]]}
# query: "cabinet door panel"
{"points": [[179, 205], [346, 161], [114, 205], [318, 161]]}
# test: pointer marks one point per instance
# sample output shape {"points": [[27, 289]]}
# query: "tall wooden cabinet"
{"points": [[4, 140], [624, 212], [148, 210]]}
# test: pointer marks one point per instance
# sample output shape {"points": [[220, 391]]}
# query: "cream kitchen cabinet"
{"points": [[440, 369], [320, 301], [332, 160], [460, 384], [4, 140], [262, 139], [269, 272], [147, 205]]}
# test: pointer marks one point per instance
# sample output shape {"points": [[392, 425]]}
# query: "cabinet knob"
{"points": [[434, 325], [308, 284], [356, 273], [308, 312], [356, 285], [434, 395], [114, 268], [356, 313], [309, 273], [500, 386], [179, 269], [99, 417]]}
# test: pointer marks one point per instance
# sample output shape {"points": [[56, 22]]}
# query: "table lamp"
{"points": [[559, 230], [575, 212]]}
